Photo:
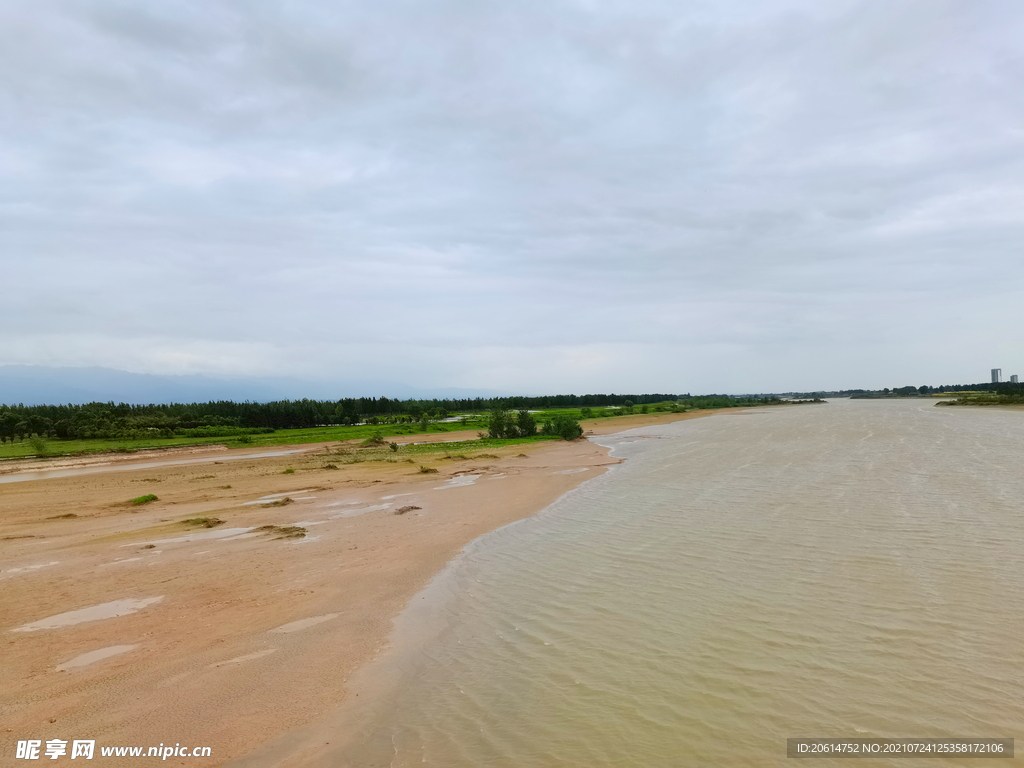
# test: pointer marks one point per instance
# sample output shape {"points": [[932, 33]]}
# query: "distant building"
{"points": [[1013, 379], [997, 375]]}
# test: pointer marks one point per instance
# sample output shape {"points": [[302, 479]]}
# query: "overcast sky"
{"points": [[535, 196]]}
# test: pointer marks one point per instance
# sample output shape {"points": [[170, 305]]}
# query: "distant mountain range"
{"points": [[41, 385]]}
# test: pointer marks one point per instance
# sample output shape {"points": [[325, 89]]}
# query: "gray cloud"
{"points": [[719, 196]]}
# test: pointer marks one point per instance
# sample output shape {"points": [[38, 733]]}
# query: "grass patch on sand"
{"points": [[283, 531], [138, 501], [280, 502], [203, 522], [427, 470], [68, 516]]}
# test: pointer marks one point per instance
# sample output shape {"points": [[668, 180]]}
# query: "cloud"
{"points": [[552, 196]]}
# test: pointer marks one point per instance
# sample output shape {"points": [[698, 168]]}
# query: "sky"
{"points": [[534, 197]]}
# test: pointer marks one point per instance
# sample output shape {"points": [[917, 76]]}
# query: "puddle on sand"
{"points": [[460, 481], [93, 656], [270, 498], [28, 568], [571, 471], [247, 657], [312, 621], [118, 562], [93, 613], [395, 496], [361, 511], [220, 533]]}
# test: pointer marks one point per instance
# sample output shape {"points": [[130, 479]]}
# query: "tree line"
{"points": [[1004, 389], [226, 417]]}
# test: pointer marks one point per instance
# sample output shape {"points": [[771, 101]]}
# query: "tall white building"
{"points": [[997, 375], [1013, 379]]}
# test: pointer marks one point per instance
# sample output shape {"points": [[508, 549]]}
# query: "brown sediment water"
{"points": [[847, 569]]}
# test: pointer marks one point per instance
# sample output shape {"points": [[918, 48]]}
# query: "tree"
{"points": [[7, 424], [498, 426], [526, 424]]}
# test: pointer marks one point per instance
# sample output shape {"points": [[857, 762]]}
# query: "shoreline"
{"points": [[244, 620], [334, 741]]}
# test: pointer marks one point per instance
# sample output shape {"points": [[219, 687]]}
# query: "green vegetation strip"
{"points": [[105, 427]]}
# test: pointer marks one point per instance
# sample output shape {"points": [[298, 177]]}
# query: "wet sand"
{"points": [[231, 636]]}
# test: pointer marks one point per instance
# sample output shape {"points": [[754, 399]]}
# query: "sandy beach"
{"points": [[123, 624]]}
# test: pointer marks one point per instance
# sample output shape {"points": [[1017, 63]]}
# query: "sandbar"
{"points": [[255, 635]]}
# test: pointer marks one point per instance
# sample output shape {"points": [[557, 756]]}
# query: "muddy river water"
{"points": [[848, 569]]}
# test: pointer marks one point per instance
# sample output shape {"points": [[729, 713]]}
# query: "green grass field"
{"points": [[474, 421]]}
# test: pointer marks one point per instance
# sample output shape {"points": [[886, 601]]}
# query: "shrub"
{"points": [[564, 426], [144, 499], [289, 471], [505, 425], [427, 470], [393, 447]]}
